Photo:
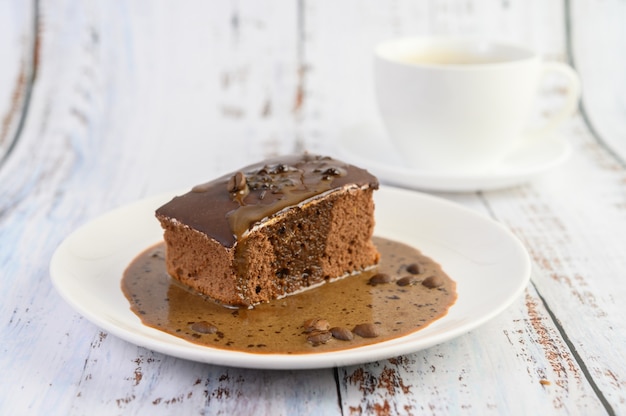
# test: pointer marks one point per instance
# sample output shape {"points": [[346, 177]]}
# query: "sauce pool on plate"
{"points": [[406, 292]]}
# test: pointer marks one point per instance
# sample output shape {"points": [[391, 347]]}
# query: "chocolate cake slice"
{"points": [[272, 229]]}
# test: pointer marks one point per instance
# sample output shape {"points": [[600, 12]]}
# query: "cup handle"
{"points": [[571, 100]]}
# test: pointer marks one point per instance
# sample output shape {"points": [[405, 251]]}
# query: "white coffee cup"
{"points": [[460, 106]]}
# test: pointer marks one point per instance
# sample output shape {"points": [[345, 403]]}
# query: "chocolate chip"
{"points": [[432, 282], [406, 281], [366, 330], [318, 338], [415, 268], [203, 327], [379, 278], [343, 334], [316, 324]]}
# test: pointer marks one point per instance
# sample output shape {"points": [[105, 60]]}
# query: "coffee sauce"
{"points": [[393, 309]]}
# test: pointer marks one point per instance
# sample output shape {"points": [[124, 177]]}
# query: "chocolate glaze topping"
{"points": [[225, 208]]}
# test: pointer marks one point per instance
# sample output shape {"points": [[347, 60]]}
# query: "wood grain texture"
{"points": [[598, 49], [578, 280], [135, 98], [19, 56], [466, 374]]}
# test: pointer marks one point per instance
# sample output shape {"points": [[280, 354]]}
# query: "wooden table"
{"points": [[103, 103]]}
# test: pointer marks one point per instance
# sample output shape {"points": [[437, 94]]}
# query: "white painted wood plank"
{"points": [[18, 38], [577, 240], [142, 382], [599, 52]]}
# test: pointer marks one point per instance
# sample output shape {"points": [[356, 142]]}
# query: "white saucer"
{"points": [[488, 263], [367, 145]]}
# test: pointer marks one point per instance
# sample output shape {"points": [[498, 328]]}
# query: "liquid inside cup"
{"points": [[450, 58], [442, 53]]}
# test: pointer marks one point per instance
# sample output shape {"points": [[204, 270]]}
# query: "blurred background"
{"points": [[187, 84]]}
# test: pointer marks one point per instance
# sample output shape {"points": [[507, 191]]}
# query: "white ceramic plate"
{"points": [[367, 145], [490, 266]]}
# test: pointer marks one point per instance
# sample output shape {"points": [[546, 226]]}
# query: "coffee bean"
{"points": [[432, 282], [318, 338], [237, 182], [415, 268], [407, 281], [343, 334], [366, 330], [379, 278], [316, 324], [203, 327]]}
